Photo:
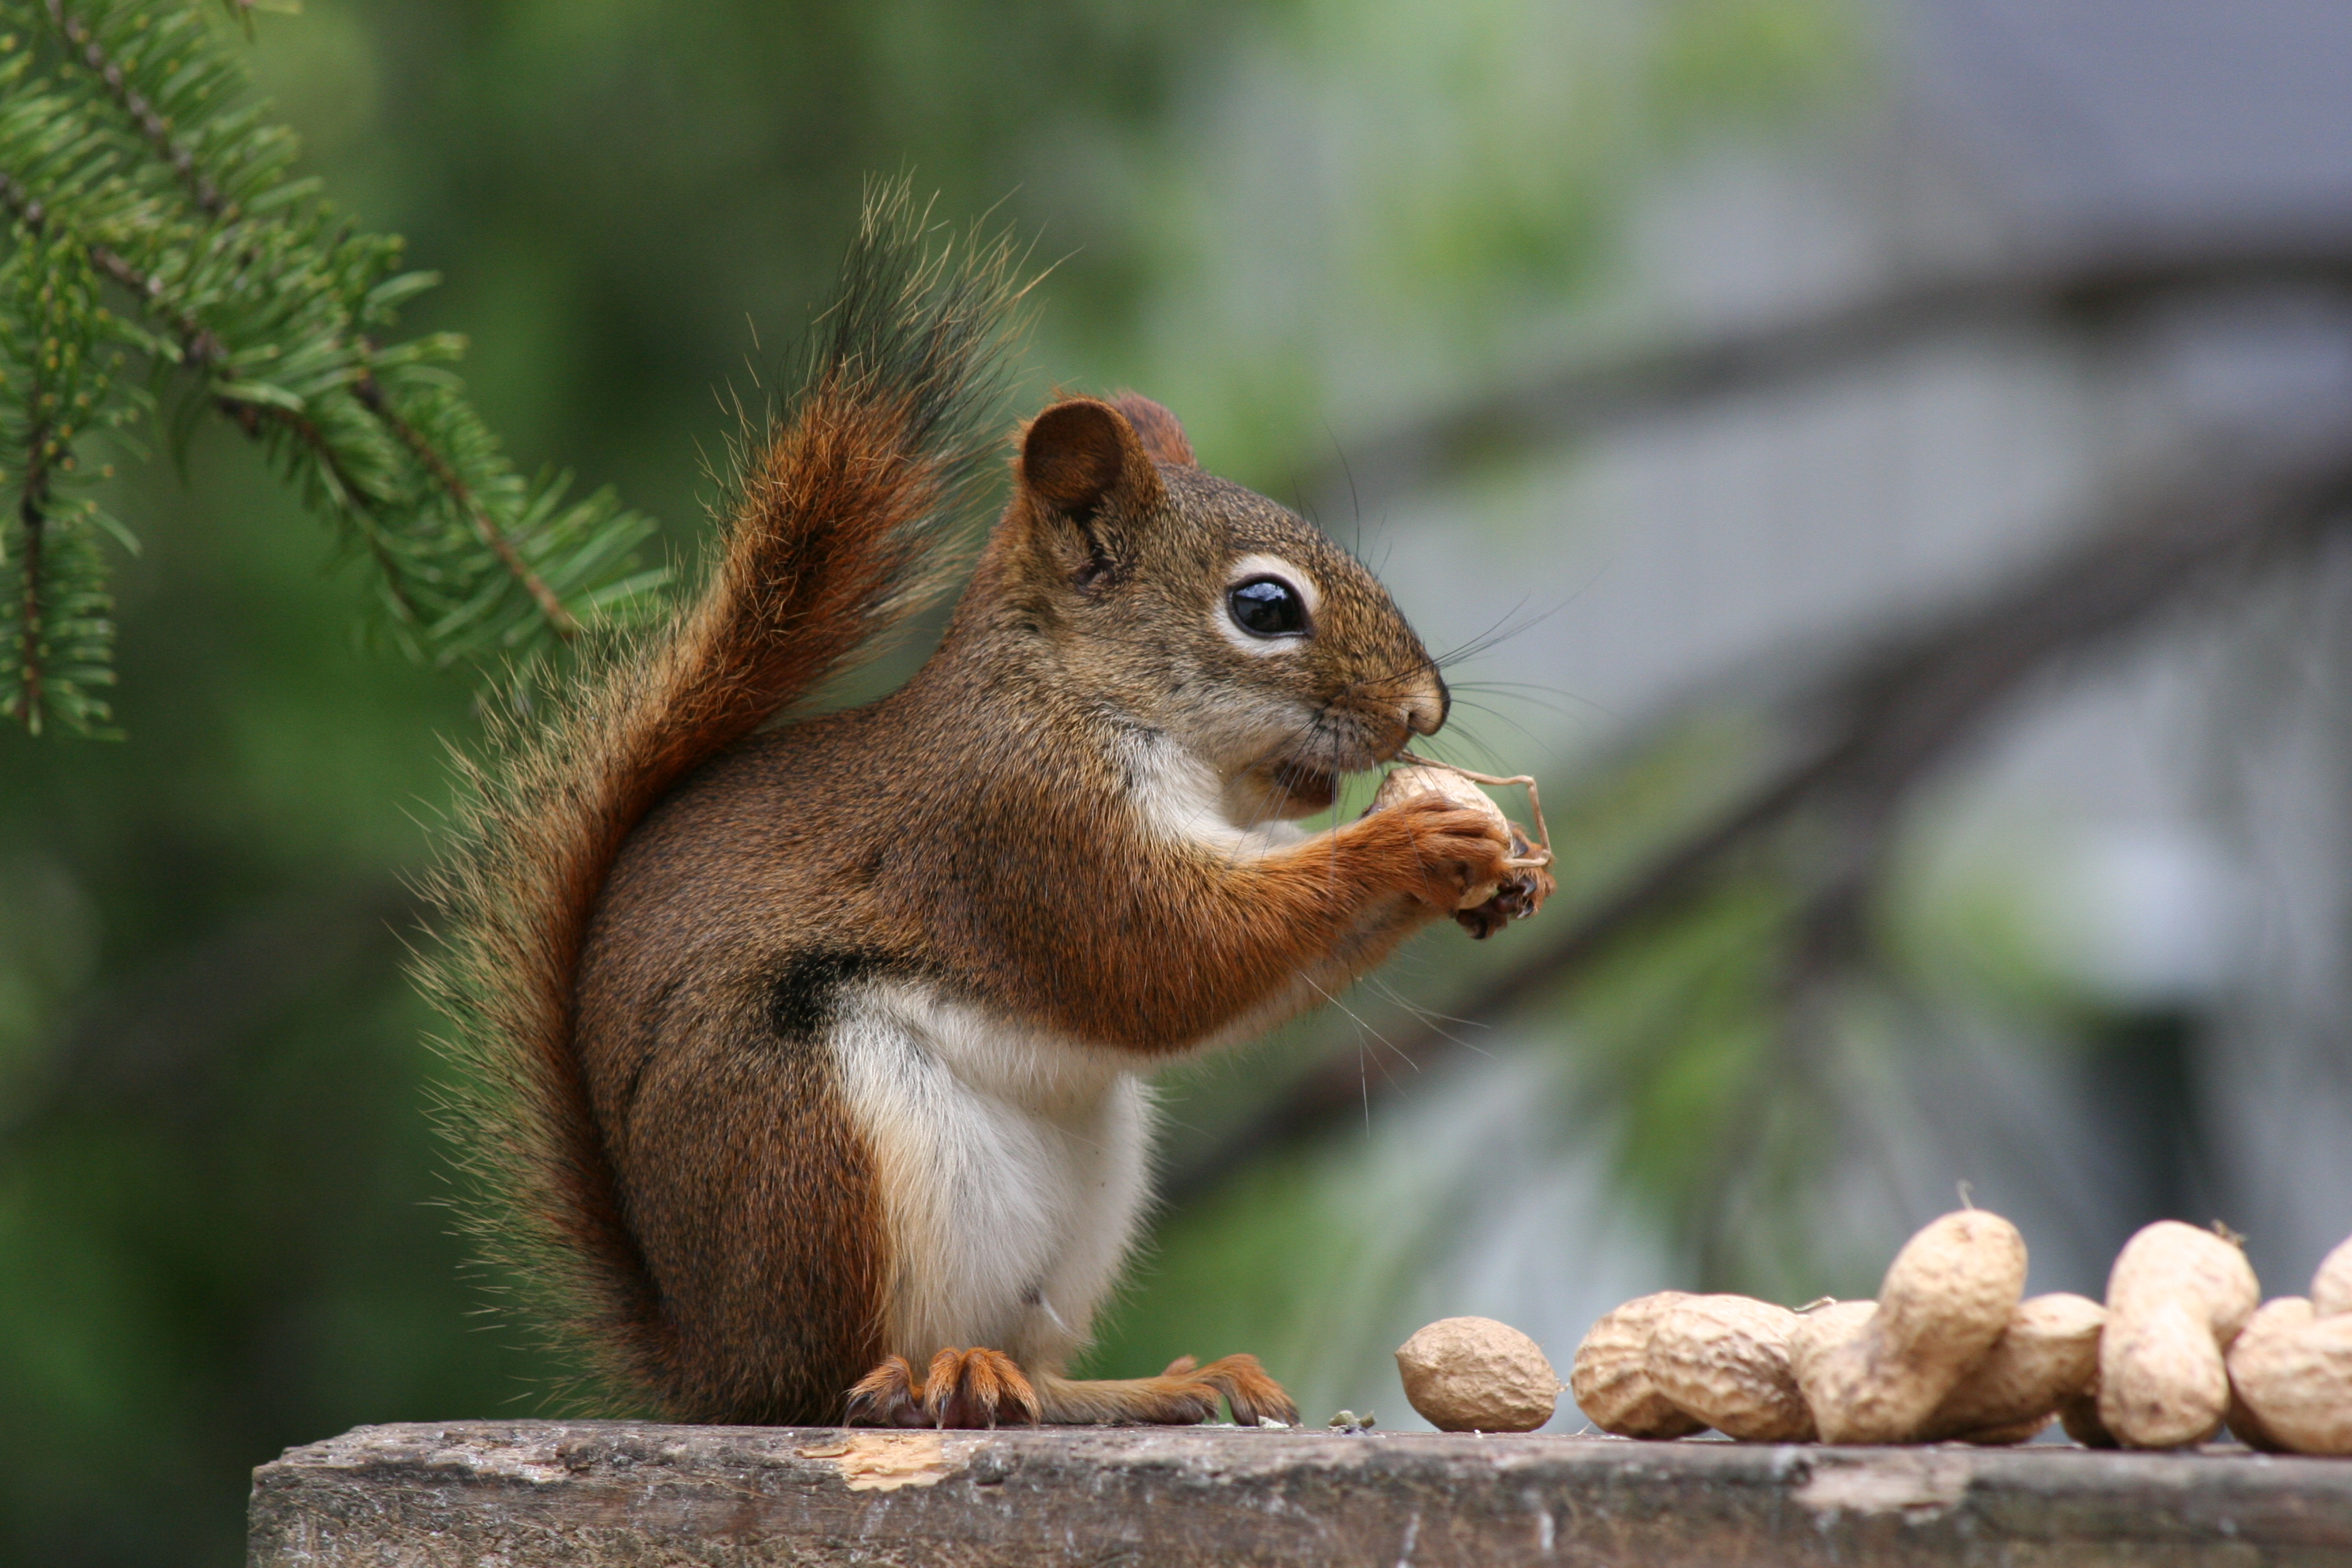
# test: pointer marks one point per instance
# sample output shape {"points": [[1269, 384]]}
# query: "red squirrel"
{"points": [[810, 1057]]}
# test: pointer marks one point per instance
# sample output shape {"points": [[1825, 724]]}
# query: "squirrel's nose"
{"points": [[1425, 710]]}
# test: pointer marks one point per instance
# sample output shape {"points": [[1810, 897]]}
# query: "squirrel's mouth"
{"points": [[1302, 790], [1304, 778]]}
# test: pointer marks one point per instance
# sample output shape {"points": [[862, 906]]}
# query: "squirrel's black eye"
{"points": [[1268, 608]]}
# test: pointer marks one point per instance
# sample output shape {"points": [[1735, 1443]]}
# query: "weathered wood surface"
{"points": [[628, 1495]]}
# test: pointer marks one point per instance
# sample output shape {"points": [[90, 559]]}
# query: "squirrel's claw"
{"points": [[887, 1396], [1522, 893], [962, 1388], [1254, 1395], [977, 1388]]}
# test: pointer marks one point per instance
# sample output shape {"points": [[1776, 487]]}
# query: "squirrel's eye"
{"points": [[1268, 608]]}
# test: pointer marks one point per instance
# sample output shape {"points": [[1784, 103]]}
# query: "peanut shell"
{"points": [[1611, 1377], [2331, 1288], [1823, 1328], [2176, 1298], [1402, 783], [1946, 1298], [1725, 1360], [2292, 1370], [2044, 1357], [1475, 1374]]}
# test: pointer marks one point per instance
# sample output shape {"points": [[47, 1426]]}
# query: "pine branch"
{"points": [[151, 125], [56, 383], [372, 394], [128, 141]]}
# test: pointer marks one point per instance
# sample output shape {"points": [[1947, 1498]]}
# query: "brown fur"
{"points": [[833, 541], [683, 934]]}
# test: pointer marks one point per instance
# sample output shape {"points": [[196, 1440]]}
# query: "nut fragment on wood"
{"points": [[884, 1461], [1611, 1375], [1724, 1359], [1475, 1374]]}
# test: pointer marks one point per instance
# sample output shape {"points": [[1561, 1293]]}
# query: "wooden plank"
{"points": [[632, 1495]]}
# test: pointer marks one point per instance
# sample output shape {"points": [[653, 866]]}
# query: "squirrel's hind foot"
{"points": [[1183, 1396], [962, 1388], [985, 1388]]}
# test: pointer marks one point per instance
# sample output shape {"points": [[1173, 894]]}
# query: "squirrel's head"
{"points": [[1205, 612]]}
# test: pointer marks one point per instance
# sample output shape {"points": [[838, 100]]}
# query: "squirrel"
{"points": [[808, 1058]]}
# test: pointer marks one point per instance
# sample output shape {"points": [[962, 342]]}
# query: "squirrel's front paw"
{"points": [[962, 1388], [1445, 852], [1522, 893]]}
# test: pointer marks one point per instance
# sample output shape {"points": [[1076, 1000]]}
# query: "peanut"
{"points": [[1611, 1377], [2177, 1297], [1404, 784], [1475, 1374], [1822, 1328], [1725, 1360], [1946, 1298], [2044, 1357], [2080, 1415], [2331, 1288], [2290, 1368]]}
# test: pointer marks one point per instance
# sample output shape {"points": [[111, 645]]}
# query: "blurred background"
{"points": [[1880, 465]]}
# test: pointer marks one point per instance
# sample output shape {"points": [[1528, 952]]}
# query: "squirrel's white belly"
{"points": [[1011, 1166]]}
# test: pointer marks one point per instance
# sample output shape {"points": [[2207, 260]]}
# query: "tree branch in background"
{"points": [[1531, 413], [1866, 733]]}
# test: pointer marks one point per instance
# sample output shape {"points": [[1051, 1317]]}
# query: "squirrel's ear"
{"points": [[1078, 454], [1162, 436]]}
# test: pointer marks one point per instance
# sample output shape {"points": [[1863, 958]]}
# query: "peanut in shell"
{"points": [[1725, 1360], [2176, 1297], [1611, 1375], [2079, 1416], [2331, 1286], [1823, 1327], [1404, 784], [2291, 1373], [2047, 1355], [1475, 1374], [1947, 1296]]}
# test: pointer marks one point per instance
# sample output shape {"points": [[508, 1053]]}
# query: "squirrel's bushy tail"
{"points": [[842, 525]]}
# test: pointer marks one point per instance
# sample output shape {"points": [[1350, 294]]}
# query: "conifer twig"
{"points": [[199, 349], [32, 510], [130, 158], [151, 125], [371, 395]]}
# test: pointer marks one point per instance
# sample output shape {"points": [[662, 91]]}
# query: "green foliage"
{"points": [[133, 162], [59, 383]]}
